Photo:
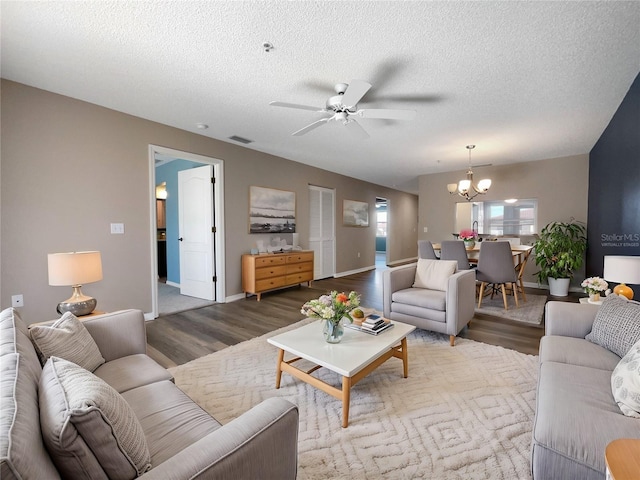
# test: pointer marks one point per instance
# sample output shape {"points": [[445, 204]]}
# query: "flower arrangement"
{"points": [[467, 234], [593, 285], [332, 307]]}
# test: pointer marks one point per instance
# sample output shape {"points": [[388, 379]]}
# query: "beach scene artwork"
{"points": [[271, 210]]}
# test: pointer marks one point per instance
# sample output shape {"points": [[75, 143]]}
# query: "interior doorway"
{"points": [[382, 220], [165, 165]]}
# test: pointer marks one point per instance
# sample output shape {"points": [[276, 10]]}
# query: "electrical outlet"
{"points": [[117, 228], [426, 229], [17, 301], [358, 254]]}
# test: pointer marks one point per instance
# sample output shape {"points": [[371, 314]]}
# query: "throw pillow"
{"points": [[69, 339], [625, 382], [434, 274], [617, 325], [88, 428]]}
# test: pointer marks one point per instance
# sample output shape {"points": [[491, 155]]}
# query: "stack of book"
{"points": [[374, 324]]}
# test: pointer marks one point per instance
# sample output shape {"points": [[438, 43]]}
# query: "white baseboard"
{"points": [[173, 284], [546, 287], [403, 261], [149, 316], [234, 298], [352, 272]]}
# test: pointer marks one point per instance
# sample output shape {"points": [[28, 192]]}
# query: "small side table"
{"points": [[622, 457], [81, 318], [586, 300]]}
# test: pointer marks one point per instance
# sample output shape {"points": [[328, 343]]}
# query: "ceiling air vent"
{"points": [[236, 138]]}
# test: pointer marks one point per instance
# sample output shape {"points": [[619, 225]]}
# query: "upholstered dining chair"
{"points": [[455, 250], [425, 250], [495, 267]]}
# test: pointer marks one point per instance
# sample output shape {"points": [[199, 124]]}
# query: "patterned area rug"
{"points": [[465, 412], [530, 311]]}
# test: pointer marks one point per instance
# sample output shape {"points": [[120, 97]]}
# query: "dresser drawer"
{"points": [[299, 267], [299, 278], [269, 283], [268, 272], [300, 257], [270, 260]]}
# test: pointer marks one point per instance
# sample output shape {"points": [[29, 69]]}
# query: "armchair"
{"points": [[444, 311]]}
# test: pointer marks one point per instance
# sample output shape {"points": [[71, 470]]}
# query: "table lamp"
{"points": [[622, 269], [75, 269]]}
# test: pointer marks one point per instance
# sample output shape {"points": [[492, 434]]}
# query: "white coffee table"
{"points": [[357, 355]]}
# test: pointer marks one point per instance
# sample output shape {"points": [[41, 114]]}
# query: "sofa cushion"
{"points": [[170, 419], [576, 351], [420, 297], [14, 338], [576, 418], [625, 382], [132, 371], [434, 274], [617, 325], [67, 338], [89, 429]]}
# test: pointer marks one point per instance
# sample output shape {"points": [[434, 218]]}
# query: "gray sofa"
{"points": [[443, 311], [183, 440], [576, 415]]}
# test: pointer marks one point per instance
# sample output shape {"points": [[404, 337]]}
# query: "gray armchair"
{"points": [[445, 311]]}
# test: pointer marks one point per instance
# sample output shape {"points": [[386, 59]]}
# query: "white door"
{"points": [[322, 230], [195, 227]]}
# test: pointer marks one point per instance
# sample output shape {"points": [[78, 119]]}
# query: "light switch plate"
{"points": [[117, 228]]}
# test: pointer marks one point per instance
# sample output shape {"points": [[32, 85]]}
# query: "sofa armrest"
{"points": [[569, 319], [118, 334], [461, 300], [261, 443], [394, 279]]}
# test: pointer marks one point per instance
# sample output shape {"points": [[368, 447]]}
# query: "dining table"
{"points": [[518, 252]]}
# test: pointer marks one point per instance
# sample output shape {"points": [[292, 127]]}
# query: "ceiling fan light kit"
{"points": [[343, 108], [466, 188]]}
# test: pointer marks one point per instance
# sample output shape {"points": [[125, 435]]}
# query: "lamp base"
{"points": [[79, 308], [79, 304], [622, 289]]}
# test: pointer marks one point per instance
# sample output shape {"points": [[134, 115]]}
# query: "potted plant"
{"points": [[559, 251]]}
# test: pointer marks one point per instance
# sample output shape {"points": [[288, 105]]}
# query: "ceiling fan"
{"points": [[343, 108]]}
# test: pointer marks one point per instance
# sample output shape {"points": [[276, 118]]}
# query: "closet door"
{"points": [[322, 230]]}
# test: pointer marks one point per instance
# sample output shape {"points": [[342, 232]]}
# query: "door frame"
{"points": [[218, 245]]}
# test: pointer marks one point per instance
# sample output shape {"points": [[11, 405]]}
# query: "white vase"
{"points": [[559, 287]]}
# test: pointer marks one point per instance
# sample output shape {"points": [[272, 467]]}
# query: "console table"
{"points": [[270, 271]]}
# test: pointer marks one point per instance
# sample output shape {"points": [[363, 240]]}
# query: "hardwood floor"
{"points": [[181, 337]]}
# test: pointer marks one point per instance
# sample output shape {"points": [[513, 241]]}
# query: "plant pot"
{"points": [[469, 244], [559, 287], [594, 297]]}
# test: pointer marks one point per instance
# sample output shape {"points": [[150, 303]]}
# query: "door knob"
{"points": [[180, 239]]}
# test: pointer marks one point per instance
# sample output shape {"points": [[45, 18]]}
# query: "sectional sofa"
{"points": [[120, 415]]}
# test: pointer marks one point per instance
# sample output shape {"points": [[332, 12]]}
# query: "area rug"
{"points": [[530, 311], [465, 412]]}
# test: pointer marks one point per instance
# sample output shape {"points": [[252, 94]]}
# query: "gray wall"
{"points": [[70, 168], [559, 184]]}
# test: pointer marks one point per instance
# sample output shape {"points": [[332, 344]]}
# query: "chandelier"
{"points": [[466, 188]]}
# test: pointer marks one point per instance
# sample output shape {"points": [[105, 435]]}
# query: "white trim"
{"points": [[351, 272], [173, 284], [219, 262], [149, 316], [235, 298]]}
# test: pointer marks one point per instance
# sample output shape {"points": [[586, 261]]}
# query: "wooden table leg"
{"points": [[279, 367], [346, 396], [405, 357]]}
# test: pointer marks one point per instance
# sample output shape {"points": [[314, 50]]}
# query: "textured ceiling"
{"points": [[521, 80]]}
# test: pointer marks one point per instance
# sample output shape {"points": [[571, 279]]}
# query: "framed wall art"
{"points": [[271, 210], [355, 214]]}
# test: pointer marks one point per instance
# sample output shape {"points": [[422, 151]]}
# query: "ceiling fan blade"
{"points": [[356, 129], [295, 105], [386, 114], [355, 91], [311, 126]]}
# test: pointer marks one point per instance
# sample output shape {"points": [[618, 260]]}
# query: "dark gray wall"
{"points": [[614, 187]]}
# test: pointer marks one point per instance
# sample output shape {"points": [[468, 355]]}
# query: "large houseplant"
{"points": [[559, 251]]}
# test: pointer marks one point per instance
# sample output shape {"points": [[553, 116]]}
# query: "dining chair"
{"points": [[455, 250], [495, 267], [425, 250]]}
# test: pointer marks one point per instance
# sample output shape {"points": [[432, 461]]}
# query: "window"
{"points": [[508, 218]]}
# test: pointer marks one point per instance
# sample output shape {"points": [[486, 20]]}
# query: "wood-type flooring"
{"points": [[181, 337]]}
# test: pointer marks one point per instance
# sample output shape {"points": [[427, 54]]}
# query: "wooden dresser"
{"points": [[269, 271]]}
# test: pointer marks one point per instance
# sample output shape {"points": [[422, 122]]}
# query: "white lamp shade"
{"points": [[484, 184], [622, 269], [74, 268], [452, 187], [464, 185]]}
